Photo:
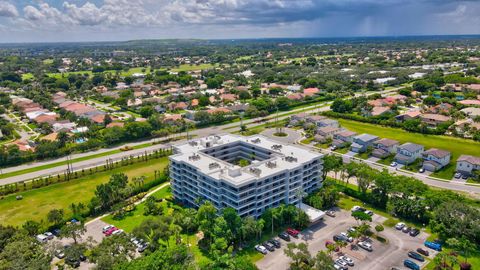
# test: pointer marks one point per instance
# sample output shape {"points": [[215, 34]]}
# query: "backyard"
{"points": [[37, 203]]}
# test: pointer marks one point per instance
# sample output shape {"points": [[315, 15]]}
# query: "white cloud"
{"points": [[7, 9]]}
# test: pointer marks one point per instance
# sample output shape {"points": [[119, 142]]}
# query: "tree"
{"points": [[156, 231], [331, 163], [234, 223], [75, 230], [301, 257], [364, 178], [75, 251], [113, 251], [323, 261], [464, 247], [31, 227], [6, 234], [55, 216], [379, 228], [24, 252], [151, 207], [362, 216], [206, 216], [243, 95]]}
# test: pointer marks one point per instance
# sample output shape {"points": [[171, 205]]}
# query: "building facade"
{"points": [[249, 174]]}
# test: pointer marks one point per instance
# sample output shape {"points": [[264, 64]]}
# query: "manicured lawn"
{"points": [[456, 146], [136, 217], [36, 203], [192, 67], [60, 163], [342, 150], [387, 161], [447, 172]]}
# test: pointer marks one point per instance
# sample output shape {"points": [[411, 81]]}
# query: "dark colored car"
{"points": [[411, 265], [269, 246], [72, 262], [416, 256], [284, 236], [275, 242], [337, 238], [422, 251], [56, 232], [414, 232]]}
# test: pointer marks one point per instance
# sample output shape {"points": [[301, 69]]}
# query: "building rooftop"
{"points": [[439, 153], [470, 159], [411, 147], [198, 153], [366, 137], [387, 142]]}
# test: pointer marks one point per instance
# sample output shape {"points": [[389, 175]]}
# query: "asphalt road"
{"points": [[230, 127]]}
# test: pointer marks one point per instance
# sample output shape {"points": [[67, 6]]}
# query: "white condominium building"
{"points": [[249, 174]]}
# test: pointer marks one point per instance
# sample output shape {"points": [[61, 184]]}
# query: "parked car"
{"points": [[351, 229], [337, 267], [421, 170], [365, 245], [117, 232], [406, 229], [348, 260], [399, 226], [338, 238], [261, 249], [394, 164], [293, 232], [416, 256], [368, 212], [49, 235], [330, 213], [270, 247], [410, 264], [357, 208], [346, 237], [464, 176], [59, 253], [110, 231], [141, 248], [285, 236], [56, 232], [434, 246], [342, 263], [275, 242], [42, 238], [422, 251], [72, 262], [414, 232], [457, 175], [333, 147], [106, 228]]}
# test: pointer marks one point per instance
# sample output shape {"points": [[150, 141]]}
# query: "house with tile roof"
{"points": [[466, 164], [434, 159], [407, 153], [384, 148], [343, 138], [361, 142], [432, 120]]}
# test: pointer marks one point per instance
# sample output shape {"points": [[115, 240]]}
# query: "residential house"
{"points": [[441, 108], [116, 124], [434, 159], [412, 114], [46, 118], [377, 111], [467, 164], [361, 142], [470, 102], [295, 96], [327, 123], [407, 153], [432, 120], [472, 112], [63, 125], [328, 131], [341, 139], [384, 148], [311, 91]]}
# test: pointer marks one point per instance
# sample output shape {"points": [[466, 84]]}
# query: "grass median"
{"points": [[37, 203]]}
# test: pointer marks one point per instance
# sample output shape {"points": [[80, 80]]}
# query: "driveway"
{"points": [[382, 257]]}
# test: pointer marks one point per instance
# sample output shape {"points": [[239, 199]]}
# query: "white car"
{"points": [[365, 245], [106, 228], [337, 267], [394, 164], [399, 225], [356, 208], [117, 232], [42, 238], [49, 235], [368, 212], [342, 263], [261, 249], [346, 237], [348, 260], [351, 229]]}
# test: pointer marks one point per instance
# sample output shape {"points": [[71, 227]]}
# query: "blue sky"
{"points": [[102, 20]]}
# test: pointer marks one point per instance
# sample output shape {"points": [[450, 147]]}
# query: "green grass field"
{"points": [[187, 67], [456, 146], [136, 217], [36, 203], [60, 163]]}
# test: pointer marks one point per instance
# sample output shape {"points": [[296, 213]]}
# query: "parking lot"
{"points": [[384, 255]]}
